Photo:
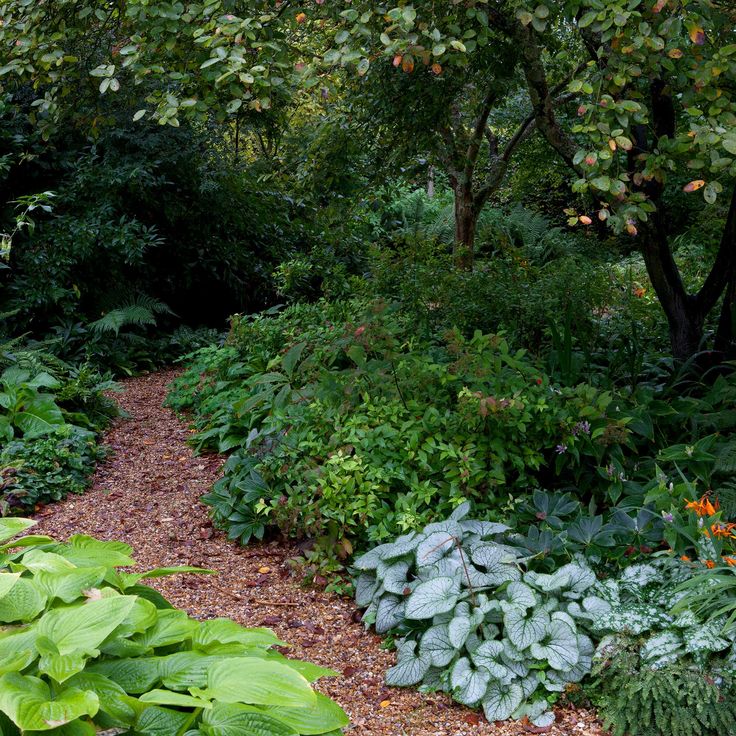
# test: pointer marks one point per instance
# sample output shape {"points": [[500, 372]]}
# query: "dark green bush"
{"points": [[48, 468]]}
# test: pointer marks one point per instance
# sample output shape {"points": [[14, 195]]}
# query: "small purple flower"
{"points": [[610, 470], [561, 449], [668, 517], [581, 427]]}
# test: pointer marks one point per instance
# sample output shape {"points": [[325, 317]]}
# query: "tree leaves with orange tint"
{"points": [[407, 64], [585, 219], [693, 186], [675, 53], [697, 35], [658, 6]]}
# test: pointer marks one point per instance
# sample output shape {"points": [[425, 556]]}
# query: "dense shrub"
{"points": [[47, 468]]}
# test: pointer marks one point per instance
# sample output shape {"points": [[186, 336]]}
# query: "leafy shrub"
{"points": [[476, 619], [25, 408], [86, 647], [47, 468], [636, 699], [472, 622]]}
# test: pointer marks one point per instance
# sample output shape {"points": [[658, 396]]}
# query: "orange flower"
{"points": [[723, 530], [703, 506], [730, 561], [685, 558], [709, 564]]}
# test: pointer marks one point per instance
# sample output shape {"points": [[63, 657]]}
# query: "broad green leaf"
{"points": [[167, 697], [28, 702], [225, 631], [324, 715], [84, 628], [10, 527], [225, 719], [26, 602], [7, 581], [68, 585], [255, 681]]}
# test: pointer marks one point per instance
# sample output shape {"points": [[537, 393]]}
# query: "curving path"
{"points": [[147, 494]]}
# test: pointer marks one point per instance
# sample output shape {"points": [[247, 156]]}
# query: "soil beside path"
{"points": [[147, 494]]}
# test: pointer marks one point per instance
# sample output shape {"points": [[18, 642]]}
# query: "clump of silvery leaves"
{"points": [[473, 620]]}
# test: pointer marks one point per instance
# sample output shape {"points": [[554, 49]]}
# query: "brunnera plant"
{"points": [[472, 622], [85, 646]]}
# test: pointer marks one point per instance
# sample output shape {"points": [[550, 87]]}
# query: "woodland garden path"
{"points": [[147, 495]]}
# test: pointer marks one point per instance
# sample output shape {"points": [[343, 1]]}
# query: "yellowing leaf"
{"points": [[694, 185], [675, 53], [697, 35], [384, 704]]}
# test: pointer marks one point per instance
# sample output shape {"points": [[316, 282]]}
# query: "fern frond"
{"points": [[140, 311]]}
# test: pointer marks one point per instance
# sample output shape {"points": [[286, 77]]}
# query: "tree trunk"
{"points": [[685, 327], [466, 219]]}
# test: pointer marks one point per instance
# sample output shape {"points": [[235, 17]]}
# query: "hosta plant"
{"points": [[474, 621], [85, 646]]}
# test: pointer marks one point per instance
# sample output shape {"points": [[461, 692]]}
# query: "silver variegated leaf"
{"points": [[521, 595], [393, 576], [366, 585], [460, 512], [390, 613], [525, 626], [632, 618], [488, 656], [370, 560], [402, 546], [548, 583], [468, 684], [591, 608], [484, 529], [559, 647], [636, 577], [501, 701], [661, 649], [461, 625], [706, 638], [581, 578], [436, 644], [432, 597], [410, 668], [434, 547]]}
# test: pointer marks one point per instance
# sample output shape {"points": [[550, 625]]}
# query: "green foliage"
{"points": [[87, 646], [47, 468], [636, 699], [27, 408], [357, 428]]}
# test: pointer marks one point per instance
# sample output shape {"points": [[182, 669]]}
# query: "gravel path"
{"points": [[147, 494]]}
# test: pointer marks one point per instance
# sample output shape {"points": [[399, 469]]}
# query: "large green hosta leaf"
{"points": [[10, 527], [325, 715], [69, 584], [24, 605], [28, 702], [84, 628], [255, 681], [241, 720], [225, 631], [432, 597]]}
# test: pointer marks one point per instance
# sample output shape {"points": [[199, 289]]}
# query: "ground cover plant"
{"points": [[86, 645]]}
